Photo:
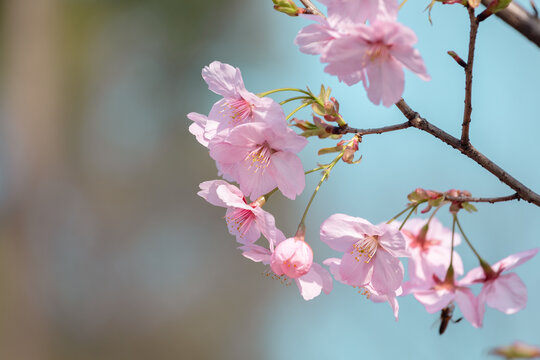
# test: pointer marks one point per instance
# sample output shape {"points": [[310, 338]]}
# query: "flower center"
{"points": [[366, 248], [260, 157], [239, 220], [239, 109], [378, 51]]}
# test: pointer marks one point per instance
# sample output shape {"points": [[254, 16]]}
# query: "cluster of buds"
{"points": [[318, 127], [437, 199], [348, 147], [327, 107]]}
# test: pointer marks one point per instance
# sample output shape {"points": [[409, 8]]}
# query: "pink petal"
{"points": [[287, 140], [468, 305], [355, 272], [473, 276], [507, 293], [267, 224], [314, 39], [198, 126], [334, 264], [232, 196], [434, 300], [311, 284], [286, 170], [412, 59], [510, 262], [387, 272], [223, 79], [341, 231], [256, 253], [386, 82], [393, 241], [209, 191], [268, 111]]}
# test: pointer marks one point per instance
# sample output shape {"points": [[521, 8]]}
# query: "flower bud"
{"points": [[292, 257], [287, 7]]}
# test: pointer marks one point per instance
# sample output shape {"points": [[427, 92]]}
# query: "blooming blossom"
{"points": [[245, 221], [260, 157], [430, 250], [374, 54], [370, 252], [438, 293], [310, 284], [504, 292], [334, 266], [238, 105]]}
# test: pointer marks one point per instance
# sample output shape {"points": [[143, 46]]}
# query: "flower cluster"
{"points": [[250, 141], [248, 137], [361, 41]]}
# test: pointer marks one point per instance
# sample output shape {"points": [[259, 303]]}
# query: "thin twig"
{"points": [[468, 79], [311, 8], [521, 20], [420, 123], [351, 130], [490, 200]]}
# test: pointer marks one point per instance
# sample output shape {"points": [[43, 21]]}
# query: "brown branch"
{"points": [[468, 79], [490, 200], [348, 130], [312, 9], [521, 20], [420, 123]]}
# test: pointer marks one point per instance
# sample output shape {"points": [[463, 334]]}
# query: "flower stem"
{"points": [[408, 216], [295, 98], [466, 239], [325, 175], [316, 169], [295, 110], [263, 94]]}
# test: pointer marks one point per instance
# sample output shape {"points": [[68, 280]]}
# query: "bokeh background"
{"points": [[106, 251]]}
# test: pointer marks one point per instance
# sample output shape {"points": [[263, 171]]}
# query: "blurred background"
{"points": [[106, 251]]}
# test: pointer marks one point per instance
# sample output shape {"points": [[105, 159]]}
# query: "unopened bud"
{"points": [[287, 7]]}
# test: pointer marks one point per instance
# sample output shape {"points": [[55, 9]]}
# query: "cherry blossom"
{"points": [[260, 157], [370, 252], [310, 285], [334, 266], [437, 294], [504, 292], [430, 250], [238, 105], [245, 221], [375, 54]]}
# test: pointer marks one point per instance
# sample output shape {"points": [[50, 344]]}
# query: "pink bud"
{"points": [[292, 257]]}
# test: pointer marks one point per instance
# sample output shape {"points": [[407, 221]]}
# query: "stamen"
{"points": [[283, 279], [365, 248], [238, 110], [260, 157], [240, 220]]}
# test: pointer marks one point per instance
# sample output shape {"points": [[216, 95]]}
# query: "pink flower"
{"points": [[504, 292], [376, 55], [370, 252], [439, 291], [334, 266], [292, 257], [430, 250], [360, 11], [310, 284], [260, 157], [238, 105], [245, 221]]}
